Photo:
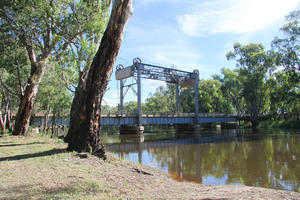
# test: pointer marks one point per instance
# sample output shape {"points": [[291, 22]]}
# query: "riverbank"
{"points": [[287, 124], [39, 168]]}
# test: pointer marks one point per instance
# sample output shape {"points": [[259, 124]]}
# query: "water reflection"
{"points": [[265, 159]]}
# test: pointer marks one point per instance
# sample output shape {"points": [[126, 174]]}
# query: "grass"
{"points": [[40, 168]]}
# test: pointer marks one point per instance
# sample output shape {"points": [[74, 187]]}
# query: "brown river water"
{"points": [[267, 158]]}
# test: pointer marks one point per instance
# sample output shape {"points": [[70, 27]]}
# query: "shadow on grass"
{"points": [[13, 145], [33, 155], [36, 192]]}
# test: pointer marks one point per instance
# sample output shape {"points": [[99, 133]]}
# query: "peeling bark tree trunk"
{"points": [[47, 114], [84, 131], [2, 124], [27, 100]]}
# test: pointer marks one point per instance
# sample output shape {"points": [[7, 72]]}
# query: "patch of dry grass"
{"points": [[40, 168]]}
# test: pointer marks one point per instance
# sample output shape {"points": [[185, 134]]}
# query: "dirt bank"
{"points": [[39, 168]]}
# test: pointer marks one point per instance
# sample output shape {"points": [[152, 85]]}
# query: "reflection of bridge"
{"points": [[167, 119], [139, 145]]}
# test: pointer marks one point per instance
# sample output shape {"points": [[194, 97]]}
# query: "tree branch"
{"points": [[67, 86], [10, 91]]}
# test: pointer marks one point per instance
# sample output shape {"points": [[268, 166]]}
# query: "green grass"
{"points": [[40, 168]]}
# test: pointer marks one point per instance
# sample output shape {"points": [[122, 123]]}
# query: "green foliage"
{"points": [[131, 107], [163, 100], [211, 98], [287, 124], [63, 33], [285, 100], [253, 65], [232, 89], [187, 100], [287, 49]]}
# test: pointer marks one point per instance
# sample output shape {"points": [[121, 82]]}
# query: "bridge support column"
{"points": [[196, 72], [139, 95], [229, 125], [188, 128], [177, 97], [132, 129]]}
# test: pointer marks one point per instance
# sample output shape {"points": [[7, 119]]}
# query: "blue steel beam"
{"points": [[132, 120]]}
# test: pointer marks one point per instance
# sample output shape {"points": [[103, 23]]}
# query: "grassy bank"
{"points": [[289, 124], [40, 168]]}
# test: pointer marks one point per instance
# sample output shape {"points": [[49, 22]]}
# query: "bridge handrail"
{"points": [[125, 113]]}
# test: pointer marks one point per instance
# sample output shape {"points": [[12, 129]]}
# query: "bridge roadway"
{"points": [[182, 118]]}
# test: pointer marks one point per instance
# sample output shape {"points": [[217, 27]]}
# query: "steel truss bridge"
{"points": [[140, 70], [180, 78]]}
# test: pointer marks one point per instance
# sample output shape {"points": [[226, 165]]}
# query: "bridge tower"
{"points": [[140, 70]]}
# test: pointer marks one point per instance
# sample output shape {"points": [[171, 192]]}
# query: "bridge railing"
{"points": [[125, 113]]}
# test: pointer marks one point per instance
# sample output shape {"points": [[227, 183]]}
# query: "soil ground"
{"points": [[39, 168]]}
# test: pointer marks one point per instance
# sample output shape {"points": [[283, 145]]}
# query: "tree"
{"points": [[232, 89], [45, 29], [53, 96], [84, 131], [14, 70], [253, 64], [163, 100], [211, 97], [288, 48], [285, 99], [187, 100]]}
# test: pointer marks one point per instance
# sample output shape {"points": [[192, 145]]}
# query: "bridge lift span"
{"points": [[141, 70]]}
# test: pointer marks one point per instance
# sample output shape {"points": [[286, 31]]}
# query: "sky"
{"points": [[194, 34]]}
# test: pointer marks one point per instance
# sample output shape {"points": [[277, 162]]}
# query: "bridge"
{"points": [[180, 78], [181, 118], [151, 119], [140, 70]]}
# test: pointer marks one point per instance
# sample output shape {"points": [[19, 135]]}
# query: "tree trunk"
{"points": [[27, 100], [53, 125], [8, 120], [84, 131], [47, 114], [2, 124]]}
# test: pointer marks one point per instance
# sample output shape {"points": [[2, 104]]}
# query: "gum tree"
{"points": [[253, 65], [84, 131], [287, 48], [45, 29]]}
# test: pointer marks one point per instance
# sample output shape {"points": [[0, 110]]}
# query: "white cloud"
{"points": [[233, 16]]}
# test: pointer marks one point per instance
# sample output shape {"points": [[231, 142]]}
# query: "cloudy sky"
{"points": [[195, 34]]}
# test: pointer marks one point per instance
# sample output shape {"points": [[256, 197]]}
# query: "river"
{"points": [[267, 158]]}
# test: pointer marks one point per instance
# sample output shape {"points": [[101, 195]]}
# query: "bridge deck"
{"points": [[165, 119], [182, 118]]}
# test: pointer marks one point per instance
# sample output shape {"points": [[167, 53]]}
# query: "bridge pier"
{"points": [[188, 127], [131, 129], [229, 125]]}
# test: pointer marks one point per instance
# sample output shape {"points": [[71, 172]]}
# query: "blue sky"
{"points": [[195, 34]]}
